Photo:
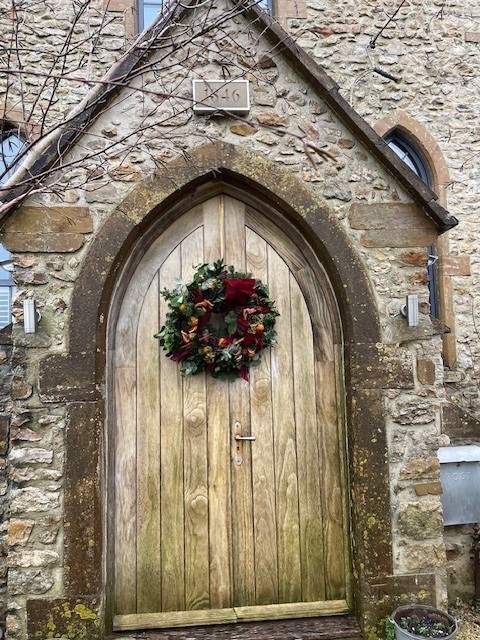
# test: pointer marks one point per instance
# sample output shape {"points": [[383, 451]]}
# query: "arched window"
{"points": [[409, 154], [413, 158], [12, 143]]}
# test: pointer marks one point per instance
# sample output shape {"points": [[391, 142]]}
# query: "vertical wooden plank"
{"points": [[311, 526], [263, 465], [125, 491], [218, 422], [171, 448], [242, 503], [342, 447], [214, 228], [288, 530], [149, 595], [125, 458], [332, 490], [197, 573]]}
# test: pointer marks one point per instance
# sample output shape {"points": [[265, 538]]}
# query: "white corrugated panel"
{"points": [[5, 306]]}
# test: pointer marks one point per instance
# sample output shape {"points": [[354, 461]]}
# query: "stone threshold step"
{"points": [[322, 628]]}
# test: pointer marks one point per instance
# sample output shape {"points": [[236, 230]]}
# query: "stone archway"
{"points": [[77, 379]]}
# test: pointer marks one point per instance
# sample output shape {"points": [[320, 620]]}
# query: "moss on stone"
{"points": [[85, 613], [69, 619]]}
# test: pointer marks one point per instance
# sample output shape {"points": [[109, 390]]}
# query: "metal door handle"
{"points": [[239, 437]]}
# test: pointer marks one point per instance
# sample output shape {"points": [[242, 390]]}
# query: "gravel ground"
{"points": [[469, 623]]}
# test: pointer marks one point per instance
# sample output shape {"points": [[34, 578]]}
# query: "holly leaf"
{"points": [[231, 322]]}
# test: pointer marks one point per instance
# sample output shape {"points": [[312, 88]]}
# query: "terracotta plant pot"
{"points": [[422, 611]]}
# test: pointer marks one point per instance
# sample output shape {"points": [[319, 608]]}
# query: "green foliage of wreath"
{"points": [[220, 322]]}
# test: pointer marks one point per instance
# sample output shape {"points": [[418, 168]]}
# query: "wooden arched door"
{"points": [[208, 530]]}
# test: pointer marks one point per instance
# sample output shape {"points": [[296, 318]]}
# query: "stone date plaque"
{"points": [[215, 95]]}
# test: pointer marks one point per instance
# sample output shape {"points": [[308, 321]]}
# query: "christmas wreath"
{"points": [[219, 323]]}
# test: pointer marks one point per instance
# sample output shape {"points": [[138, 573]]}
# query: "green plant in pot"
{"points": [[420, 622]]}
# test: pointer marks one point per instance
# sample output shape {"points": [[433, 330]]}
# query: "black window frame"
{"points": [[402, 142], [398, 142]]}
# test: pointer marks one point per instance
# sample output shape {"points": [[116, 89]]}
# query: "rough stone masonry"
{"points": [[432, 47]]}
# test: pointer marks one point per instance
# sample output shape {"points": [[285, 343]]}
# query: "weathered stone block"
{"points": [[414, 411], [424, 556], [425, 371], [455, 266], [459, 424], [119, 5], [421, 469], [243, 129], [64, 378], [380, 366], [407, 238], [420, 522], [428, 489], [266, 62], [371, 494], [419, 277], [82, 518], [26, 474], [46, 220], [29, 581], [272, 119], [21, 418], [32, 499], [110, 131], [30, 455], [43, 242], [66, 618], [23, 278], [388, 216], [415, 258], [47, 530], [25, 435], [21, 390], [453, 376], [19, 532], [4, 426], [398, 332], [346, 143], [32, 558]]}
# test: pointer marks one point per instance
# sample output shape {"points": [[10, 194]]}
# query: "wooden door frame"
{"points": [[287, 240], [77, 379]]}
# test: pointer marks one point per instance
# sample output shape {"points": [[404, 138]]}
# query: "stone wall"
{"points": [[5, 407], [363, 199], [459, 545], [433, 49], [95, 42]]}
